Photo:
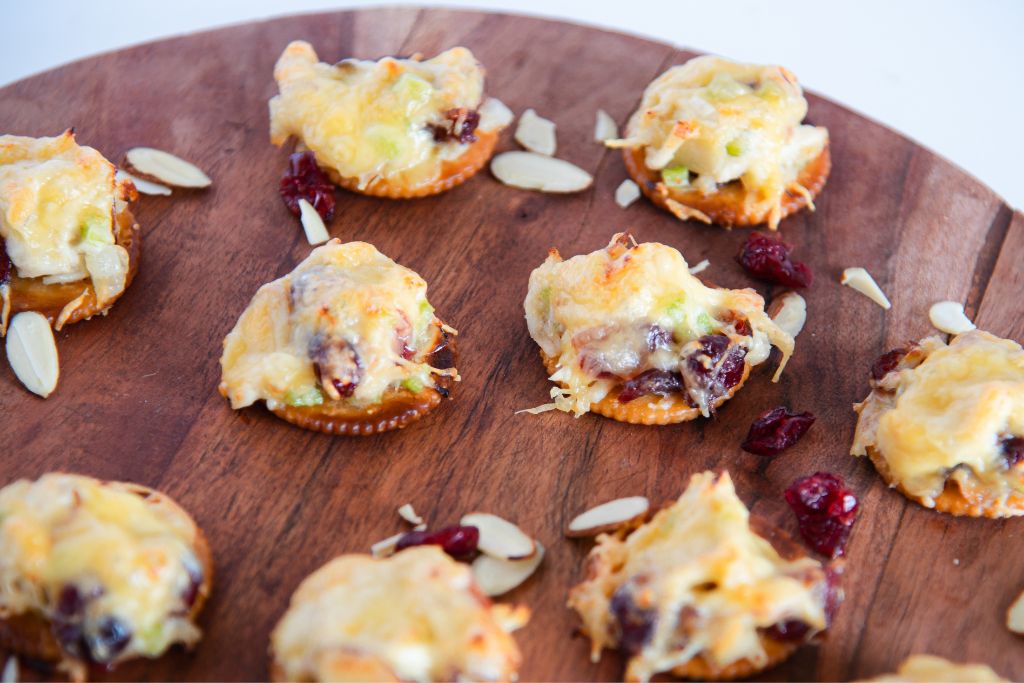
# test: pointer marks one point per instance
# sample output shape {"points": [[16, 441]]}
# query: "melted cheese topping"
{"points": [[949, 413], [724, 121], [417, 615], [344, 314], [595, 313], [706, 580], [931, 669], [136, 559], [57, 212], [367, 119]]}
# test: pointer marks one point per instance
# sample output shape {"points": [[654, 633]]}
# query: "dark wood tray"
{"points": [[137, 398]]}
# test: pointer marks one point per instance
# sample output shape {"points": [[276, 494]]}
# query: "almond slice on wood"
{"points": [[531, 171], [10, 674], [494, 115], [949, 317], [536, 133], [608, 516], [407, 513], [605, 127], [496, 577], [1015, 615], [142, 185], [499, 537], [626, 193], [789, 311], [700, 267], [861, 281], [32, 352], [386, 548], [166, 168], [312, 224]]}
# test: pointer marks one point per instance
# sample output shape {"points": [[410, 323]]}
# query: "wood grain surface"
{"points": [[137, 398]]}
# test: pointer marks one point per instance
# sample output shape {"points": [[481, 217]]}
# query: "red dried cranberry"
{"points": [[636, 625], [742, 327], [825, 510], [305, 180], [886, 363], [70, 602], [776, 430], [791, 631], [337, 365], [458, 541], [708, 374], [769, 260], [1013, 449], [661, 382], [5, 264], [459, 124], [658, 338], [189, 595]]}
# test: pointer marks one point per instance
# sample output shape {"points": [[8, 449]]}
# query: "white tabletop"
{"points": [[947, 73]]}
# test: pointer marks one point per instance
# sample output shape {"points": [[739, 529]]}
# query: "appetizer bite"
{"points": [[627, 332], [68, 243], [944, 424], [931, 669], [97, 572], [415, 616], [722, 142], [346, 343], [700, 592], [397, 128]]}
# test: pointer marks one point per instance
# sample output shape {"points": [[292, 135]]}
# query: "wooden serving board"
{"points": [[137, 398]]}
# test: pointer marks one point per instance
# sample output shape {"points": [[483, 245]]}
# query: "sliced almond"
{"points": [[496, 577], [685, 213], [499, 537], [789, 311], [494, 115], [386, 548], [166, 168], [608, 516], [142, 185], [10, 674], [700, 267], [32, 352], [949, 317], [407, 513], [536, 133], [605, 127], [531, 171], [1015, 615], [626, 193], [316, 231], [861, 280]]}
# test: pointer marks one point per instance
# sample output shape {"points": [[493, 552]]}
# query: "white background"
{"points": [[948, 73]]}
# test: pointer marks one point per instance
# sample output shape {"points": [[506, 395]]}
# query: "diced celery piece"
{"points": [[770, 91], [545, 297], [387, 140], [703, 324], [676, 311], [306, 396], [95, 229], [413, 384], [735, 147], [686, 325], [412, 87], [676, 176], [725, 87]]}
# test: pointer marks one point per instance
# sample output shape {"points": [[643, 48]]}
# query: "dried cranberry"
{"points": [[791, 631], [305, 180], [108, 640], [636, 625], [458, 541], [189, 595], [70, 602], [5, 264], [1013, 449], [769, 260], [459, 124], [658, 338], [825, 510], [337, 365], [661, 382], [776, 430], [710, 376], [886, 363], [742, 327]]}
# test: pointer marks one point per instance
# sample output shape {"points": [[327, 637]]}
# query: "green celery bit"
{"points": [[545, 297], [412, 87], [703, 324], [413, 384], [387, 140], [307, 396], [771, 91], [95, 229], [676, 311], [676, 176], [725, 87], [734, 147]]}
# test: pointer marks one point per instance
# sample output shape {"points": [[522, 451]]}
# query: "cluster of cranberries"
{"points": [[713, 367], [769, 260], [305, 180], [459, 125]]}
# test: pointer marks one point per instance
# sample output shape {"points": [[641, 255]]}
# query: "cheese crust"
{"points": [[604, 319], [694, 590], [711, 124], [375, 126], [103, 560], [935, 425], [415, 616]]}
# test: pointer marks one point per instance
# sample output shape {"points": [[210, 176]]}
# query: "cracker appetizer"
{"points": [[398, 128], [346, 343], [68, 243], [722, 142], [944, 424], [627, 332], [700, 592], [931, 669], [97, 572], [415, 616]]}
